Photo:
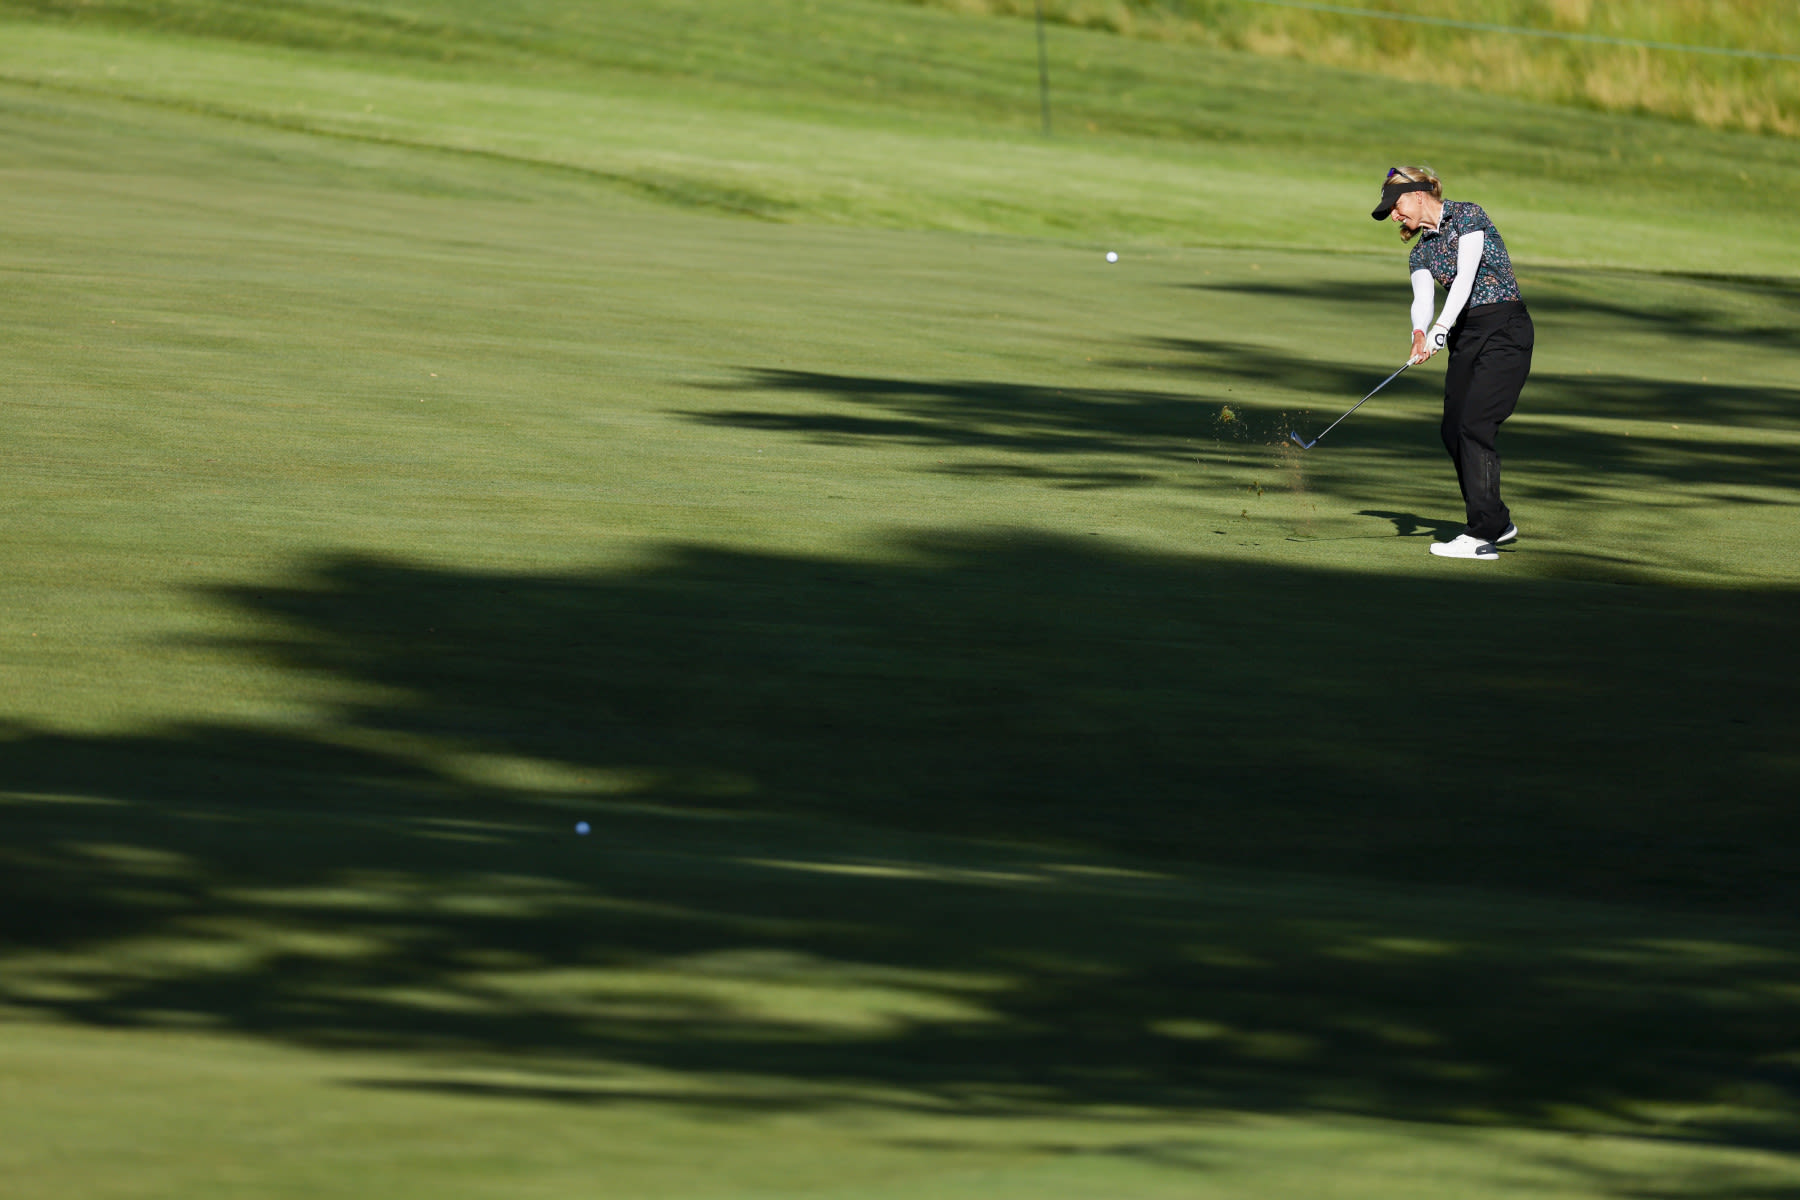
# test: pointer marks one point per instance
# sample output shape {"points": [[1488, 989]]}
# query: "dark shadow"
{"points": [[1054, 434], [1050, 424], [1410, 525], [1681, 309], [1010, 825], [1615, 397]]}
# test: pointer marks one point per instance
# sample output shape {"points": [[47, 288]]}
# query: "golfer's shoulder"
{"points": [[1465, 216]]}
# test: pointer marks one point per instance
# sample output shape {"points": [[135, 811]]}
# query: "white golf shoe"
{"points": [[1466, 546], [1507, 535]]}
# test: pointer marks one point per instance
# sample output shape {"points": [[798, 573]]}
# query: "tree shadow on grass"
{"points": [[1693, 311], [1004, 825], [1052, 424], [1100, 438], [1583, 396]]}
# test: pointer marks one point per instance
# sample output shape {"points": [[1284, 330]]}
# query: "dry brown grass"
{"points": [[1717, 91]]}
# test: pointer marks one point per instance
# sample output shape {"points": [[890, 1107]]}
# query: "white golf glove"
{"points": [[1438, 338]]}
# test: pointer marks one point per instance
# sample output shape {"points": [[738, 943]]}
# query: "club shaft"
{"points": [[1364, 400]]}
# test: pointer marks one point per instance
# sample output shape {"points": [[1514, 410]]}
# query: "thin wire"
{"points": [[1043, 69], [1484, 27]]}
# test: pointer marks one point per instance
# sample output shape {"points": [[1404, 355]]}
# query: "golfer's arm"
{"points": [[1468, 262], [1421, 305]]}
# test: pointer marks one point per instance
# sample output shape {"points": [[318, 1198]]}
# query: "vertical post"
{"points": [[1043, 69]]}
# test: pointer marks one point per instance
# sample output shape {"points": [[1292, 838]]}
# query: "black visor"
{"points": [[1392, 191]]}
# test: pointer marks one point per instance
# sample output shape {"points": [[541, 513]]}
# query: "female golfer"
{"points": [[1484, 323]]}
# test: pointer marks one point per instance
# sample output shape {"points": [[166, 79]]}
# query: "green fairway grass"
{"points": [[1014, 768]]}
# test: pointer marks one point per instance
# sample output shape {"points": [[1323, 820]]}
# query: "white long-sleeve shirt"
{"points": [[1468, 262]]}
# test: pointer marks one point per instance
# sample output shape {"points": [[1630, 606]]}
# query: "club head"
{"points": [[1304, 445]]}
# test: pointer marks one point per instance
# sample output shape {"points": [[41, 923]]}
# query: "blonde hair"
{"points": [[1418, 175]]}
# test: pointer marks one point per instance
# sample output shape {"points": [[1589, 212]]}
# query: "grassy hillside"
{"points": [[906, 118], [1726, 64], [1012, 769]]}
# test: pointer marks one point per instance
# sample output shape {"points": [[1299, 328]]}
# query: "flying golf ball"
{"points": [[1111, 257], [581, 827]]}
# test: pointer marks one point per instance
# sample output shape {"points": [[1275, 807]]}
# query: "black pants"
{"points": [[1490, 356]]}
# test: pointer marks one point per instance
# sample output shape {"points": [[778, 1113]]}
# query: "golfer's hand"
{"points": [[1427, 344], [1420, 351]]}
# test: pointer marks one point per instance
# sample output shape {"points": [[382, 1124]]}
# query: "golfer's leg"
{"points": [[1493, 393], [1456, 396]]}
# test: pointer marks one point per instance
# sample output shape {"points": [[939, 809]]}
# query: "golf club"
{"points": [[1306, 445]]}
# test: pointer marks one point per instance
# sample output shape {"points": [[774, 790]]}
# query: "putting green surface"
{"points": [[1014, 767]]}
